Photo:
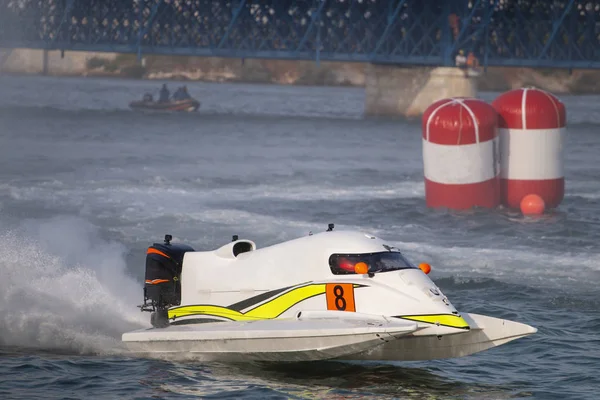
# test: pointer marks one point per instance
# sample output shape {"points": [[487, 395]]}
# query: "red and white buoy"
{"points": [[532, 132], [460, 154]]}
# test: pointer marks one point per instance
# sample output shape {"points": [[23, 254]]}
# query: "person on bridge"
{"points": [[461, 61], [472, 61], [164, 94]]}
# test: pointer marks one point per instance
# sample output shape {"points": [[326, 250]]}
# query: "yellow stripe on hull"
{"points": [[279, 305], [269, 310], [450, 320], [213, 311]]}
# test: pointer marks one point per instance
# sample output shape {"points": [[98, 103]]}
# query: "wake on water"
{"points": [[65, 289]]}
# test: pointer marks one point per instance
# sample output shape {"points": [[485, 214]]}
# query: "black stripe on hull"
{"points": [[194, 321], [249, 302]]}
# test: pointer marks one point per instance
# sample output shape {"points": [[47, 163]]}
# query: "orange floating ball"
{"points": [[532, 204], [425, 267]]}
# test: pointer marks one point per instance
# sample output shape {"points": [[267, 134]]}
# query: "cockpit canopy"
{"points": [[384, 261]]}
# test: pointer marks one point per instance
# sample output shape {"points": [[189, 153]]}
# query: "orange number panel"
{"points": [[340, 296]]}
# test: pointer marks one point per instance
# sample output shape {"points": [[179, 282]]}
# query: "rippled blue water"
{"points": [[86, 185]]}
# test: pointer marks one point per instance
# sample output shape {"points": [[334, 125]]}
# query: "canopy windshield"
{"points": [[342, 264]]}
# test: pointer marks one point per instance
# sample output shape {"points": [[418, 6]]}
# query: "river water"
{"points": [[86, 185]]}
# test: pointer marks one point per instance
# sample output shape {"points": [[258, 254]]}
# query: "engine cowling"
{"points": [[162, 288]]}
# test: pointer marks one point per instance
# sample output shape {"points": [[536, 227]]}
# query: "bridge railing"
{"points": [[541, 33]]}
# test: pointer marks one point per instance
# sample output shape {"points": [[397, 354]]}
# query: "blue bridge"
{"points": [[533, 33]]}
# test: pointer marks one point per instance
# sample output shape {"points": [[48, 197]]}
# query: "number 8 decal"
{"points": [[340, 297]]}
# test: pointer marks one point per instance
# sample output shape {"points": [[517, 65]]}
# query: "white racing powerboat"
{"points": [[332, 295]]}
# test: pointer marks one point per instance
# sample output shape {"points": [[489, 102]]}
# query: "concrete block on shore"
{"points": [[408, 91]]}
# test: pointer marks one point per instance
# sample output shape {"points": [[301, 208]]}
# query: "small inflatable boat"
{"points": [[332, 295]]}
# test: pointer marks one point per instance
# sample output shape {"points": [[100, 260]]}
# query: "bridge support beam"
{"points": [[407, 91]]}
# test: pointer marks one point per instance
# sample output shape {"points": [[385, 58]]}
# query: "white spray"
{"points": [[63, 288]]}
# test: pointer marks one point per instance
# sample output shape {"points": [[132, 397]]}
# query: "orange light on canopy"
{"points": [[361, 268], [425, 267]]}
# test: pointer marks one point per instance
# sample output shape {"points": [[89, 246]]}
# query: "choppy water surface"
{"points": [[86, 185]]}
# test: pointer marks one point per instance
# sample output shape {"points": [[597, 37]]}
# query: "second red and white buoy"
{"points": [[532, 133]]}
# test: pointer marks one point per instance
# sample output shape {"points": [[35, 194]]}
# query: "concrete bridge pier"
{"points": [[4, 54], [407, 91]]}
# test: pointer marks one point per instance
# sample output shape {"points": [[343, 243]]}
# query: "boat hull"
{"points": [[371, 338], [189, 105]]}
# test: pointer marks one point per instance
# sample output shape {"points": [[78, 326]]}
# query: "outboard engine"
{"points": [[162, 288]]}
